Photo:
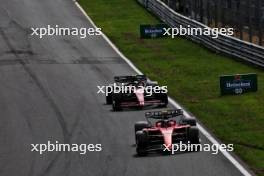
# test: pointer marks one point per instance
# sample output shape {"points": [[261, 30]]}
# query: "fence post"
{"points": [[208, 13], [240, 11], [216, 12], [146, 3], [249, 20], [201, 11], [259, 21]]}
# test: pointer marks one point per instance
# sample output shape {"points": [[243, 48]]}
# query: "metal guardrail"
{"points": [[231, 46]]}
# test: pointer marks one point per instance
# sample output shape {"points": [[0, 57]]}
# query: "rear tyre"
{"points": [[164, 100], [108, 99], [141, 152], [140, 126], [116, 106], [116, 102], [191, 122], [193, 137], [142, 143]]}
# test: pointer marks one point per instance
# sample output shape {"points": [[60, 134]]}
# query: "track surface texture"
{"points": [[48, 91]]}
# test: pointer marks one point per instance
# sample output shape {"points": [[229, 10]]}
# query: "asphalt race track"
{"points": [[48, 91]]}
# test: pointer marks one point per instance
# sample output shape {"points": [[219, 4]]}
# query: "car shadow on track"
{"points": [[146, 108], [159, 153]]}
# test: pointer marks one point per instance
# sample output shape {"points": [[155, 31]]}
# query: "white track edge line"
{"points": [[173, 102]]}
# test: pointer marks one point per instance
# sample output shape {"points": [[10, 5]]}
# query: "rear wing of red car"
{"points": [[164, 114], [123, 79]]}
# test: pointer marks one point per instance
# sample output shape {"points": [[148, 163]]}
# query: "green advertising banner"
{"points": [[152, 31], [238, 84]]}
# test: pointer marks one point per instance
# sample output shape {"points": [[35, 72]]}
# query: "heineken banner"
{"points": [[152, 31], [238, 84]]}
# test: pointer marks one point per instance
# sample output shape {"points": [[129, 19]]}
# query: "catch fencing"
{"points": [[231, 46]]}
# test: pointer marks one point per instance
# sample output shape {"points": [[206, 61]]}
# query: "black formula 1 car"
{"points": [[170, 127], [137, 91]]}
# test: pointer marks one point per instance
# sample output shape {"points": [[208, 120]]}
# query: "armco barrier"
{"points": [[245, 51]]}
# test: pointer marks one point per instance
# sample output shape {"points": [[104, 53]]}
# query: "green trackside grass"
{"points": [[192, 75]]}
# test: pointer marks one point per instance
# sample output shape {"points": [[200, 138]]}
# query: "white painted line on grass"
{"points": [[173, 102]]}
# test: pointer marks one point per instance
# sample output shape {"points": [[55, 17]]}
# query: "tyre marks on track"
{"points": [[19, 60], [43, 61]]}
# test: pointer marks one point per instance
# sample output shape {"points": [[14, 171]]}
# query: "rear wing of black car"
{"points": [[167, 114], [123, 79]]}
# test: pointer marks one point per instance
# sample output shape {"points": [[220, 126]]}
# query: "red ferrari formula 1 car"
{"points": [[170, 127], [144, 93]]}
